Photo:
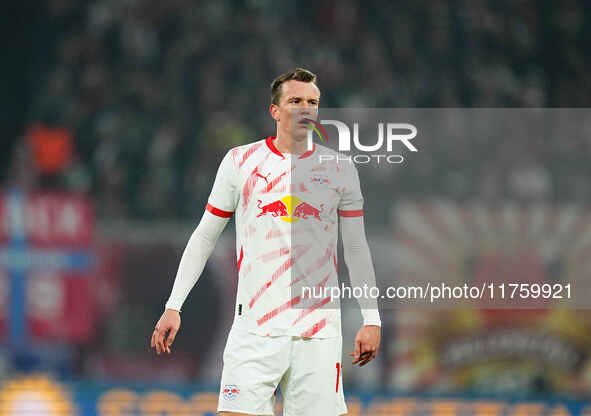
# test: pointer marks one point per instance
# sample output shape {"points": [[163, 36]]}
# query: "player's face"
{"points": [[299, 101]]}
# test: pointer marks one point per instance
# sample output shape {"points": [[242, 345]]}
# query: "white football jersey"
{"points": [[287, 209]]}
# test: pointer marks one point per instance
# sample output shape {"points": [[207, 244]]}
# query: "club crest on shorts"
{"points": [[230, 391]]}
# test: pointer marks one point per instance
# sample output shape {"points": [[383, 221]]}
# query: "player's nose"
{"points": [[306, 111]]}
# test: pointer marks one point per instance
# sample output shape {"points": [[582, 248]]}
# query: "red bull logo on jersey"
{"points": [[290, 209]]}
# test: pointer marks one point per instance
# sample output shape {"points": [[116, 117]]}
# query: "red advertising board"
{"points": [[59, 306], [46, 241], [58, 220]]}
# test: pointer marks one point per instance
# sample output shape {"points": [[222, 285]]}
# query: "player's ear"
{"points": [[274, 111]]}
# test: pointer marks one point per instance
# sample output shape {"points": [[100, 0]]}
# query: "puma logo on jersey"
{"points": [[264, 177]]}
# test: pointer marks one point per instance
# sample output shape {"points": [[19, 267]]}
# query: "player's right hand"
{"points": [[169, 323]]}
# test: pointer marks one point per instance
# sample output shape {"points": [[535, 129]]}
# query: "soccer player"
{"points": [[289, 205]]}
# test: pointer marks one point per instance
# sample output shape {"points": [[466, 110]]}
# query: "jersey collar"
{"points": [[273, 149]]}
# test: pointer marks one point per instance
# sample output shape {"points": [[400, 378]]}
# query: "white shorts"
{"points": [[306, 369]]}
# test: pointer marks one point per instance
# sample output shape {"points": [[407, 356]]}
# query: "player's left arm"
{"points": [[361, 272]]}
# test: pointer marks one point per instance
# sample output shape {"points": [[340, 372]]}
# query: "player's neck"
{"points": [[284, 144]]}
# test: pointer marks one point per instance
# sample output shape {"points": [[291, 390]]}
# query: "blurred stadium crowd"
{"points": [[136, 100]]}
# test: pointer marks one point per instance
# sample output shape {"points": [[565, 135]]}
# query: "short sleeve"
{"points": [[223, 198], [351, 203]]}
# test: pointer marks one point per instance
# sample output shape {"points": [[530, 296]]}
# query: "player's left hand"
{"points": [[367, 343]]}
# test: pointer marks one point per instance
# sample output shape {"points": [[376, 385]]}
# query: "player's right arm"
{"points": [[220, 207]]}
